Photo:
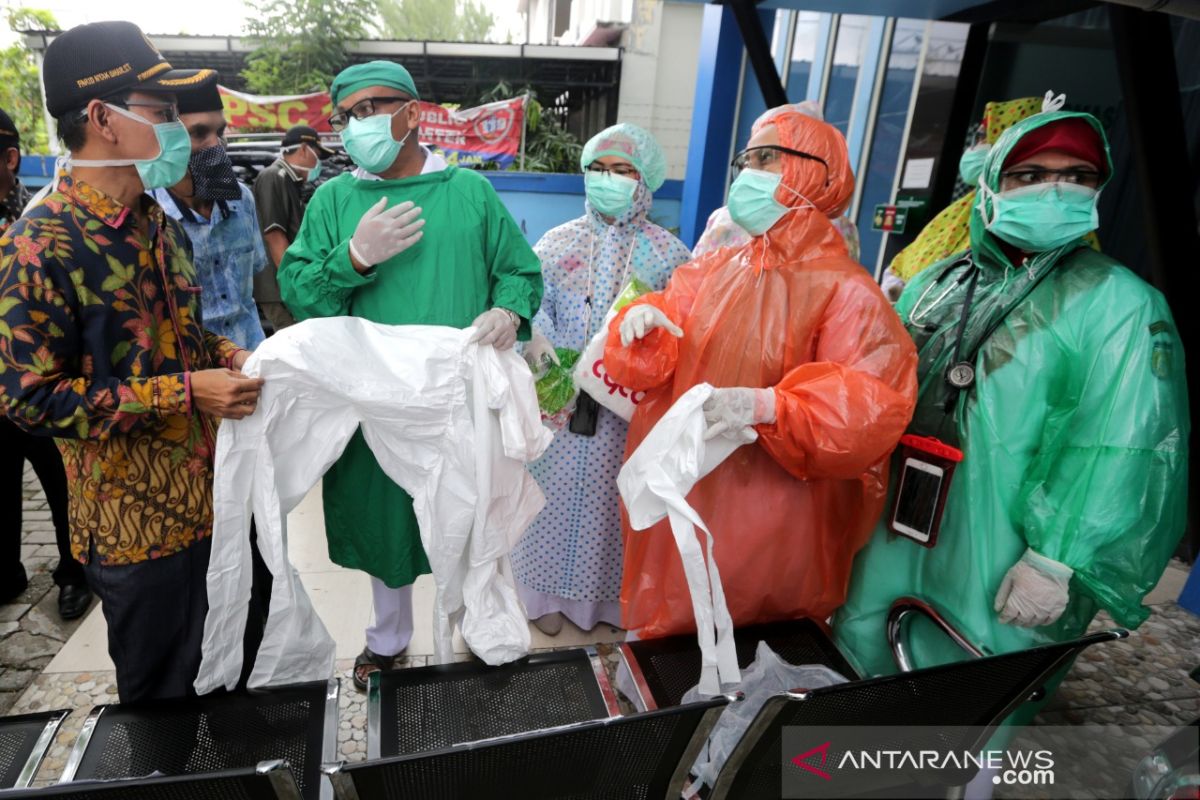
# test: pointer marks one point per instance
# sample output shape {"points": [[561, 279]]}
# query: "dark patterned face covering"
{"points": [[212, 174]]}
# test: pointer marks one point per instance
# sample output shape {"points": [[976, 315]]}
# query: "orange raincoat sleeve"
{"points": [[650, 362], [844, 411]]}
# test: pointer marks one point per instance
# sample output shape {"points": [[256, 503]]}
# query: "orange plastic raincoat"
{"points": [[788, 310]]}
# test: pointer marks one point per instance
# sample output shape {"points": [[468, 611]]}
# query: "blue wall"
{"points": [[537, 201]]}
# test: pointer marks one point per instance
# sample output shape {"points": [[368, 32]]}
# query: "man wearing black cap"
{"points": [[108, 352], [17, 446], [217, 212], [281, 208]]}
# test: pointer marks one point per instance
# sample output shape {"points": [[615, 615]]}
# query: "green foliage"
{"points": [[20, 83], [436, 20], [301, 43], [549, 146]]}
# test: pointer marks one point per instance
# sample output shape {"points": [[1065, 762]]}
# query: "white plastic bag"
{"points": [[672, 458], [590, 375], [769, 675]]}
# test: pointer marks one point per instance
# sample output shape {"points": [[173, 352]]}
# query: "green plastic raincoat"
{"points": [[1075, 441], [472, 257]]}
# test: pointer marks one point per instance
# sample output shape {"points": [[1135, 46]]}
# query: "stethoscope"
{"points": [[961, 373]]}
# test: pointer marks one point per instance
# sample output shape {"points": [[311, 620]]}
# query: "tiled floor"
{"points": [[1144, 678]]}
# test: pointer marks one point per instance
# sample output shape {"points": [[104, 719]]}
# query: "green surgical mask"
{"points": [[752, 202], [1040, 217], [611, 195], [970, 166], [370, 142], [163, 170]]}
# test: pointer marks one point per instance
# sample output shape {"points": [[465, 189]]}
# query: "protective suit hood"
{"points": [[807, 233], [984, 244]]}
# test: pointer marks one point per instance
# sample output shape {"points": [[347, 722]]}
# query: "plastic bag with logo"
{"points": [[768, 675], [590, 375]]}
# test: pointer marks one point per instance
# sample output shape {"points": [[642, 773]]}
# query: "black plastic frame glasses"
{"points": [[361, 110], [742, 159]]}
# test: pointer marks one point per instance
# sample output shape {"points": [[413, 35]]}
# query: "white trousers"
{"points": [[392, 629]]}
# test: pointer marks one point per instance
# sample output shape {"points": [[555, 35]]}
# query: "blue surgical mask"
{"points": [[163, 170], [314, 172], [970, 166], [1040, 217], [370, 142], [752, 202], [611, 195]]}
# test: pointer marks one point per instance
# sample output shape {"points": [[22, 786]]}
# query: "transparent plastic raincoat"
{"points": [[1075, 441], [788, 310]]}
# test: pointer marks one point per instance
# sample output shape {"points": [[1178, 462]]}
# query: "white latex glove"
{"points": [[497, 327], [642, 319], [539, 351], [384, 232], [1033, 592], [737, 409]]}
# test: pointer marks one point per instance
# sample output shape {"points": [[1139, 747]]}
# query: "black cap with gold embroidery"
{"points": [[101, 59]]}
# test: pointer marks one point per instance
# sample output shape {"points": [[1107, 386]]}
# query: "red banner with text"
{"points": [[466, 136]]}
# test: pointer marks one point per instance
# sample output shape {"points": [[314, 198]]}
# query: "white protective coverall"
{"points": [[451, 423]]}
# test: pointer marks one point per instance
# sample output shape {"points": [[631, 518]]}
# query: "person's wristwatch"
{"points": [[513, 316]]}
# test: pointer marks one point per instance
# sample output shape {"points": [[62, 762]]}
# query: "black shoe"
{"points": [[73, 600]]}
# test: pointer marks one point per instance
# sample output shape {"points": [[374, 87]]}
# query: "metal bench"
{"points": [[269, 780], [24, 741], [634, 758], [296, 724], [429, 708]]}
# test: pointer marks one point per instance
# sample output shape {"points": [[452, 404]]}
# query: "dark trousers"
{"points": [[17, 447], [155, 613]]}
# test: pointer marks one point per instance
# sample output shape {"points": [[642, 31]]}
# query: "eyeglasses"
{"points": [[768, 154], [167, 112], [620, 170], [1032, 177], [361, 110]]}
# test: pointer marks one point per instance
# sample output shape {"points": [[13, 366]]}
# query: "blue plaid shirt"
{"points": [[227, 251]]}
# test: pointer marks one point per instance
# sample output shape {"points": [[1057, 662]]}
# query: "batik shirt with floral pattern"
{"points": [[99, 326]]}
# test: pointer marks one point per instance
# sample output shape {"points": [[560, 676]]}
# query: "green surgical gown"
{"points": [[471, 257]]}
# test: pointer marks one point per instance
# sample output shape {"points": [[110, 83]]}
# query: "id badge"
{"points": [[922, 485], [587, 412]]}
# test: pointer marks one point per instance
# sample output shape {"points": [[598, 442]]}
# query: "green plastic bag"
{"points": [[556, 389]]}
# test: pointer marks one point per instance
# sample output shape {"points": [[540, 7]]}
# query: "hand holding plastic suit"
{"points": [[737, 410], [1034, 591], [641, 319], [497, 327], [385, 232]]}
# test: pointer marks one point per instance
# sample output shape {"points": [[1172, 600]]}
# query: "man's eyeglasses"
{"points": [[167, 112], [367, 107], [1028, 176], [620, 170], [766, 155]]}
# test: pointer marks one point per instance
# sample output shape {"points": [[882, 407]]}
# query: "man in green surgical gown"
{"points": [[402, 240]]}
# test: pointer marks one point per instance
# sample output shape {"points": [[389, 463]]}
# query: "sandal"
{"points": [[367, 662]]}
